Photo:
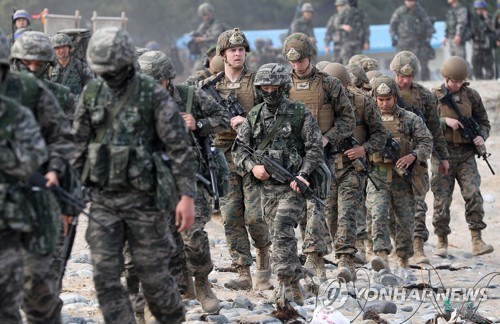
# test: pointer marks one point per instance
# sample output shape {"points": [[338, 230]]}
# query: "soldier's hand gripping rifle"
{"points": [[391, 151], [212, 168], [359, 164], [231, 103], [470, 128], [281, 174]]}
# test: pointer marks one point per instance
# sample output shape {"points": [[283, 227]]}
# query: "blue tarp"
{"points": [[380, 39]]}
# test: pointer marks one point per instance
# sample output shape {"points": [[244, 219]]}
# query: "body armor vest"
{"points": [[22, 87], [357, 99], [312, 94], [120, 152], [244, 93], [464, 106]]}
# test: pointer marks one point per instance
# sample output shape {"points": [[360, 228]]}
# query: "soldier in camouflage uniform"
{"points": [[69, 70], [457, 31], [463, 167], [329, 105], [212, 64], [483, 43], [370, 133], [358, 76], [296, 145], [496, 28], [303, 23], [411, 30], [33, 52], [395, 195], [41, 279], [125, 127], [348, 31], [418, 99], [203, 116], [241, 207]]}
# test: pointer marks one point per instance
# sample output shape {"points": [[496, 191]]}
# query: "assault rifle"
{"points": [[417, 111], [231, 103], [212, 169], [391, 151], [359, 164], [281, 174], [470, 128]]}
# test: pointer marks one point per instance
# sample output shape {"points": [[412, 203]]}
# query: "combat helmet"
{"points": [[157, 65], [231, 38], [339, 71], [61, 39], [340, 3], [205, 8], [454, 68], [355, 59], [298, 46], [405, 63], [4, 49], [368, 64], [307, 7], [272, 74], [357, 75], [384, 86], [33, 46], [372, 75], [110, 50], [321, 65], [21, 13], [480, 4], [216, 64]]}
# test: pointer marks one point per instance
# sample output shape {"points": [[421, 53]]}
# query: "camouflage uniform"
{"points": [[329, 105], [41, 279], [126, 194], [210, 29], [463, 167], [483, 44], [395, 193], [297, 146], [411, 30], [496, 27], [456, 24], [241, 207], [23, 152], [75, 74], [347, 44]]}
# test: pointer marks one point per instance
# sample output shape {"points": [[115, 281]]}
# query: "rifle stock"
{"points": [[209, 153]]}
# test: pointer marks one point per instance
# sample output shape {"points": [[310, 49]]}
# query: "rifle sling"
{"points": [[449, 99], [271, 134]]}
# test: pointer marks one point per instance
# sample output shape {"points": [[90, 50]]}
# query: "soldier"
{"points": [[41, 280], [419, 100], [212, 64], [409, 142], [208, 31], [69, 70], [241, 207], [329, 105], [350, 168], [347, 30], [33, 52], [496, 28], [125, 127], [303, 23], [463, 167], [203, 116], [483, 43], [21, 22], [411, 30], [457, 31], [359, 79], [286, 131]]}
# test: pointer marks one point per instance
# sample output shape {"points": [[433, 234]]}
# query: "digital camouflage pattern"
{"points": [[109, 50], [457, 21], [405, 63], [33, 46], [157, 65], [61, 39], [74, 76], [483, 43], [463, 168], [210, 29], [301, 25], [231, 38], [23, 152]]}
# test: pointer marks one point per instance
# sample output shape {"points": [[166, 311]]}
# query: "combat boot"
{"points": [[442, 247], [418, 251], [403, 262], [316, 264], [360, 256], [283, 291], [345, 268], [380, 261], [263, 272], [478, 245], [205, 295], [297, 292], [369, 249], [244, 281]]}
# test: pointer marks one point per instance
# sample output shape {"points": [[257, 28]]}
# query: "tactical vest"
{"points": [[409, 26], [401, 132], [62, 94], [464, 104], [120, 152], [412, 97], [312, 94], [244, 93], [357, 99], [23, 88], [286, 146]]}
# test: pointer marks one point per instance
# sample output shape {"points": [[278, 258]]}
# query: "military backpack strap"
{"points": [[187, 94]]}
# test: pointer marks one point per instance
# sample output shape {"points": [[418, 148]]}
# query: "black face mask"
{"points": [[39, 74], [116, 79], [272, 99]]}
